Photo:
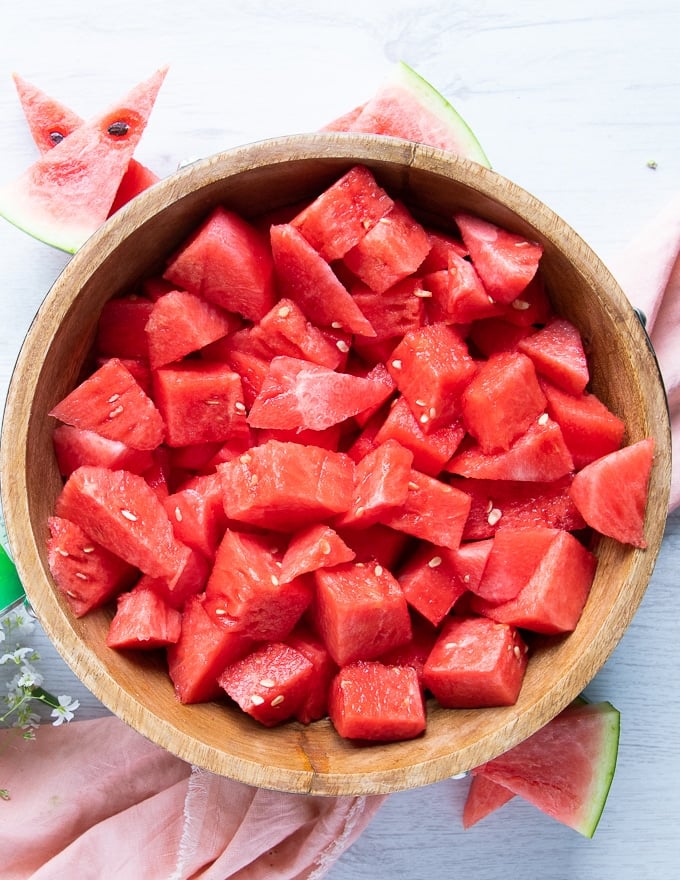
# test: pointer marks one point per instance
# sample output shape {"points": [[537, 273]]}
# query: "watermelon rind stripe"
{"points": [[611, 719], [406, 77]]}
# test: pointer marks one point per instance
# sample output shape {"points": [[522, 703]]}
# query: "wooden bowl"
{"points": [[250, 180]]}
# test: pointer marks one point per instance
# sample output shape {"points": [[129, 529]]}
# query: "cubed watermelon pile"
{"points": [[336, 463]]}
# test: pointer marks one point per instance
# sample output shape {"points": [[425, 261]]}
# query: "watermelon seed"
{"points": [[366, 223], [82, 576], [239, 406], [89, 549], [432, 412], [494, 515], [423, 294], [521, 305], [178, 514], [336, 325], [358, 512], [118, 129], [378, 570], [267, 682], [257, 700], [116, 411], [324, 547], [517, 652], [113, 398], [128, 514], [62, 552], [284, 311], [278, 700], [435, 562], [543, 419], [342, 346], [413, 486], [274, 580], [212, 402], [424, 419], [220, 611], [71, 594], [396, 363], [56, 137], [466, 578], [245, 458], [421, 403]]}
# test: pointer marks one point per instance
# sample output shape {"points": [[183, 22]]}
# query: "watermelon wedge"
{"points": [[67, 193], [407, 106], [50, 122], [566, 768]]}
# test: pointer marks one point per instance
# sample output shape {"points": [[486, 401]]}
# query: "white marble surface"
{"points": [[572, 101]]}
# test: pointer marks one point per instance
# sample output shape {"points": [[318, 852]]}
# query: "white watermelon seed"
{"points": [[543, 419], [378, 570], [113, 398], [267, 682], [435, 562], [178, 514], [284, 311], [88, 549], [128, 514], [396, 363], [521, 305], [494, 516], [239, 406], [257, 700], [116, 411], [82, 576], [423, 294], [277, 700], [342, 346]]}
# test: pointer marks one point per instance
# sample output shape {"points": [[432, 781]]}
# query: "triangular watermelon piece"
{"points": [[483, 797], [566, 768], [68, 192], [50, 122], [407, 106]]}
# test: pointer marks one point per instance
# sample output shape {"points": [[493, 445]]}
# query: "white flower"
{"points": [[17, 656], [64, 711], [29, 677]]}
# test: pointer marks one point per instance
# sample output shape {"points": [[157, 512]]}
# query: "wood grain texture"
{"points": [[570, 101], [132, 245]]}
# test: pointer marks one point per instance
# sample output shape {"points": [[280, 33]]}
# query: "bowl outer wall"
{"points": [[135, 242]]}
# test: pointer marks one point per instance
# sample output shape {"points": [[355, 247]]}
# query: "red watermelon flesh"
{"points": [[457, 293], [87, 574], [483, 797], [143, 621], [50, 122], [88, 165], [513, 559], [120, 511], [409, 107], [431, 582], [381, 484], [121, 328], [505, 262], [228, 262], [558, 354], [77, 446], [598, 492], [299, 395], [394, 311], [566, 768], [112, 403], [314, 706], [317, 546]]}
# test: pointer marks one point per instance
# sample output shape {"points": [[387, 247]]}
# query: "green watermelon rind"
{"points": [[406, 77], [607, 769], [19, 209]]}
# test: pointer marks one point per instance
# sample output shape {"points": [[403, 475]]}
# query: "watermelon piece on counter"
{"points": [[566, 768], [371, 701], [360, 611], [389, 251], [552, 599], [87, 574], [317, 546], [74, 447], [407, 106], [228, 262], [270, 684], [431, 367], [305, 277], [200, 402], [342, 215], [475, 662], [181, 323], [284, 486], [484, 796], [143, 621], [502, 400], [506, 262], [558, 355], [120, 511], [50, 122], [206, 645], [299, 395], [112, 403], [598, 492], [120, 329], [66, 194], [244, 586]]}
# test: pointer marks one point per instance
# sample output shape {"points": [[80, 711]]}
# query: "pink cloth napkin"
{"points": [[95, 800], [649, 273]]}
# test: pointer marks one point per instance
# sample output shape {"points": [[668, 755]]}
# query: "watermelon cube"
{"points": [[228, 262], [515, 555], [555, 594], [372, 701], [431, 367], [381, 484], [433, 511], [493, 335], [442, 244], [317, 546], [390, 251], [343, 213], [376, 543], [120, 511], [314, 706], [112, 403], [359, 611], [74, 447], [304, 276], [87, 574], [458, 295], [558, 355], [506, 262], [415, 652], [200, 402], [196, 512], [502, 400], [393, 311], [476, 662], [181, 323], [206, 645], [285, 330], [270, 684], [143, 621], [121, 328], [285, 486], [244, 586]]}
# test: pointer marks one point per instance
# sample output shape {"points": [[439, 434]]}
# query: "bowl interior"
{"points": [[134, 243]]}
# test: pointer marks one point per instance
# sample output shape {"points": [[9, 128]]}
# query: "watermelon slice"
{"points": [[68, 192], [566, 768], [407, 106], [50, 122]]}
